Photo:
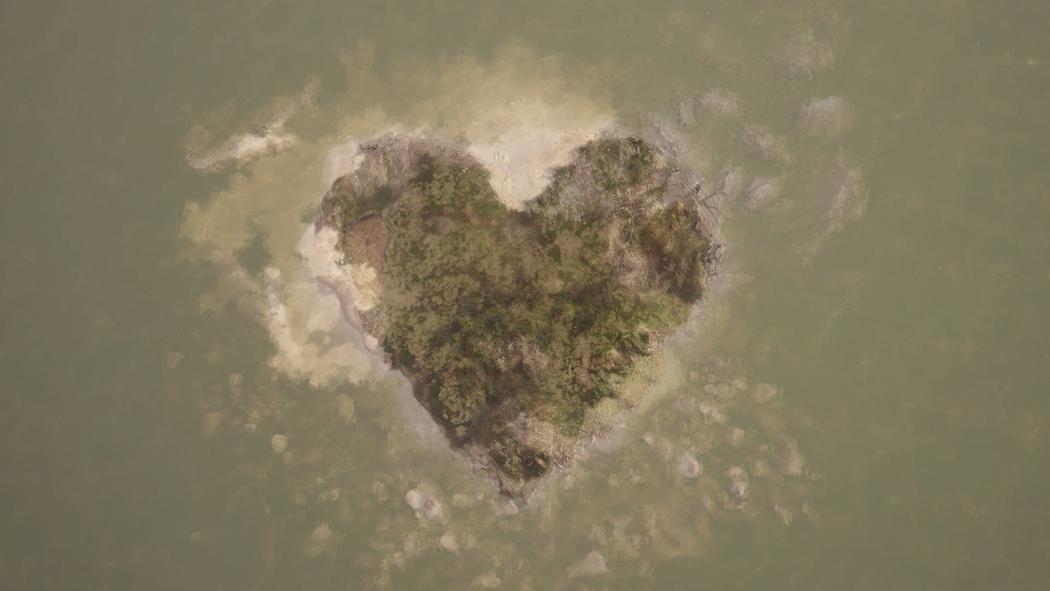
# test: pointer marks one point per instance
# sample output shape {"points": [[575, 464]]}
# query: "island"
{"points": [[519, 329]]}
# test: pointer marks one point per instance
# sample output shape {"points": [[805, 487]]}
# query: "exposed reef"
{"points": [[519, 329]]}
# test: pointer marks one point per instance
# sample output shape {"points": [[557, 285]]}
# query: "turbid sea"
{"points": [[861, 401]]}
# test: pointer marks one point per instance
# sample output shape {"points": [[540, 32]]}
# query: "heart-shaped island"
{"points": [[519, 329]]}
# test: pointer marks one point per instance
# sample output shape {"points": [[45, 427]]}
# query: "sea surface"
{"points": [[862, 401]]}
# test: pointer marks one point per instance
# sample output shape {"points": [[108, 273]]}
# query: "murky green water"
{"points": [[874, 361]]}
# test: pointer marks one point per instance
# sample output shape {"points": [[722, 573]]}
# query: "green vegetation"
{"points": [[494, 313]]}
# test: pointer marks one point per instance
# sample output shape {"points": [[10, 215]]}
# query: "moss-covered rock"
{"points": [[513, 325]]}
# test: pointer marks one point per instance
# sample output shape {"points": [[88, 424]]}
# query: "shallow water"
{"points": [[864, 393]]}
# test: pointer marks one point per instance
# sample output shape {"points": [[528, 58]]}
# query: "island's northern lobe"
{"points": [[514, 326]]}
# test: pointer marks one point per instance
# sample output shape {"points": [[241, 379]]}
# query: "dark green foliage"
{"points": [[517, 461], [672, 239], [618, 162], [352, 205]]}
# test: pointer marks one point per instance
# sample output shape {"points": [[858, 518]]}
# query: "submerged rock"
{"points": [[279, 443], [762, 143], [739, 485], [487, 580], [715, 103], [591, 565], [425, 505], [729, 182], [824, 117], [449, 542], [518, 329], [761, 192], [319, 540], [806, 52], [689, 467]]}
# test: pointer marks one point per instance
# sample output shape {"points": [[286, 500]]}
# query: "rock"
{"points": [[318, 540], [785, 515], [279, 443], [712, 414], [688, 466], [346, 407], [765, 145], [661, 445], [712, 258], [488, 580], [792, 461], [826, 117], [591, 565], [173, 359], [714, 103], [760, 468], [737, 436], [234, 381], [739, 487], [718, 102], [765, 393], [507, 507], [806, 53], [849, 197], [212, 421], [415, 499], [729, 182], [328, 496], [449, 542], [425, 505], [263, 133], [761, 192], [379, 491]]}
